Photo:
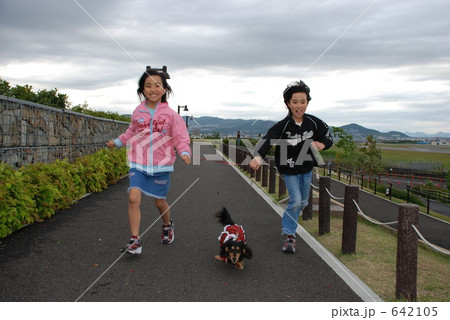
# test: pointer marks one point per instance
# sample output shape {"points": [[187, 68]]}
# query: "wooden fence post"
{"points": [[249, 170], [265, 169], [225, 149], [350, 220], [232, 153], [324, 205], [272, 176], [407, 240], [258, 174], [281, 186], [239, 159], [307, 212]]}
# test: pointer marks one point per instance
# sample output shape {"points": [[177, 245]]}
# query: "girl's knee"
{"points": [[161, 204], [296, 205], [304, 204], [134, 197]]}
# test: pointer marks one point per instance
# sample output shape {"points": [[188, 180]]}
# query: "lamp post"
{"points": [[185, 108], [187, 121]]}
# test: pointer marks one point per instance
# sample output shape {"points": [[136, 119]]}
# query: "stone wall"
{"points": [[31, 132]]}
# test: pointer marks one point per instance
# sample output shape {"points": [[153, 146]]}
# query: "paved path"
{"points": [[59, 259]]}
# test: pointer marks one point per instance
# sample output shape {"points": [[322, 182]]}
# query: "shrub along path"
{"points": [[59, 259]]}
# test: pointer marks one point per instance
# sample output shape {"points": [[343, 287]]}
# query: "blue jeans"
{"points": [[298, 187]]}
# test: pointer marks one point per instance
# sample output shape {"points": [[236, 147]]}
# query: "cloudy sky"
{"points": [[383, 64]]}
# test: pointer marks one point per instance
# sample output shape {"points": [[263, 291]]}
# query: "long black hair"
{"points": [[149, 73]]}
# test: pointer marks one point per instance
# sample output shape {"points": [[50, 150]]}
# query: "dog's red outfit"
{"points": [[232, 232]]}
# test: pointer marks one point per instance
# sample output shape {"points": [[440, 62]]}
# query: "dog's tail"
{"points": [[224, 217]]}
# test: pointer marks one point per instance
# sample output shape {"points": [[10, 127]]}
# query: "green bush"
{"points": [[37, 191], [17, 206]]}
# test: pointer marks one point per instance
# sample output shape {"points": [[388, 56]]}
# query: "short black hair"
{"points": [[149, 73], [294, 87]]}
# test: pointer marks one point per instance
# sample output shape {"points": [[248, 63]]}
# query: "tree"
{"points": [[347, 155], [23, 93], [216, 135], [81, 108], [5, 88], [52, 98], [369, 157]]}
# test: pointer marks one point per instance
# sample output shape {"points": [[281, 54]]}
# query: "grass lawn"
{"points": [[375, 260], [390, 156], [392, 153]]}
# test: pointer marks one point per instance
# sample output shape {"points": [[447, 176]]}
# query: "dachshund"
{"points": [[233, 241]]}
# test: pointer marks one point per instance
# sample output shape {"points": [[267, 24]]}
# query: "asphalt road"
{"points": [[435, 231], [74, 256], [401, 182]]}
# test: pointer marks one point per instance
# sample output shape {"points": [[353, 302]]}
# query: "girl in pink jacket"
{"points": [[154, 133]]}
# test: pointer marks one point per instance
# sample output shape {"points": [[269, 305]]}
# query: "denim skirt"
{"points": [[154, 185]]}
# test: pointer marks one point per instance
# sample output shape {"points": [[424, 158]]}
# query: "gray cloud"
{"points": [[250, 34], [249, 38]]}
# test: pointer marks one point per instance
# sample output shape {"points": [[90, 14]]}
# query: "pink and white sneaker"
{"points": [[167, 234]]}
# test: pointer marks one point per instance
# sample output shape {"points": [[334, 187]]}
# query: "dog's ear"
{"points": [[248, 253]]}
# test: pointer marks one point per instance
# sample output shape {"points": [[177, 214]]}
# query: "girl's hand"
{"points": [[255, 163], [110, 144], [317, 145], [186, 159]]}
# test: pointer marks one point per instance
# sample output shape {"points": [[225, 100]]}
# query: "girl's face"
{"points": [[298, 105], [153, 89]]}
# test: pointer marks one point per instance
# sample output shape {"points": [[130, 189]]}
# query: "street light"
{"points": [[162, 70], [185, 108], [187, 121]]}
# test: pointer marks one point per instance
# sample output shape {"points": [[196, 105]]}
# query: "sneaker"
{"points": [[167, 234], [134, 246], [289, 244]]}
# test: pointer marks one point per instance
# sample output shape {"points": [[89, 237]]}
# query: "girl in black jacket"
{"points": [[297, 138]]}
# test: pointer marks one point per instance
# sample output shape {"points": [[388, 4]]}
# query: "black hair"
{"points": [[294, 87], [149, 73]]}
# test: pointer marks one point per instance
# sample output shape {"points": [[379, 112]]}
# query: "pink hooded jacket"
{"points": [[151, 141]]}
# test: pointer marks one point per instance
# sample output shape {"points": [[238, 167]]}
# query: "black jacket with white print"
{"points": [[293, 153]]}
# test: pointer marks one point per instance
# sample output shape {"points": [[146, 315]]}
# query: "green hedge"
{"points": [[37, 191]]}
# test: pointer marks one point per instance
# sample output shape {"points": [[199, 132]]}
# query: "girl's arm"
{"points": [[265, 144], [123, 138], [274, 133], [186, 158], [324, 138], [110, 144], [256, 162]]}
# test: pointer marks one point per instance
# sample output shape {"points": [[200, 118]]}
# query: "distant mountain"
{"points": [[428, 135], [229, 127], [359, 133], [252, 128]]}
